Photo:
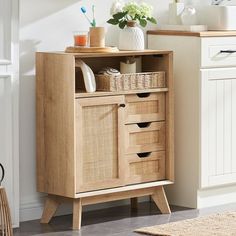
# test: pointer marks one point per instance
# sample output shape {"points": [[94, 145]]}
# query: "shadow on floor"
{"points": [[111, 221]]}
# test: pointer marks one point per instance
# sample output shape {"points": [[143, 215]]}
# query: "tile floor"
{"points": [[116, 221]]}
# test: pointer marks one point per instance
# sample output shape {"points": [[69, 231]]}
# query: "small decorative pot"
{"points": [[97, 37], [131, 38]]}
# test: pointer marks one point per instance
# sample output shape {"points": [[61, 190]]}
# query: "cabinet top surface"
{"points": [[193, 34], [114, 54]]}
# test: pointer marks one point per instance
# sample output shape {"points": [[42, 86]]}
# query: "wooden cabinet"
{"points": [[102, 146], [205, 116]]}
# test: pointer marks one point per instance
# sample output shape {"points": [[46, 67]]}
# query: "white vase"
{"points": [[131, 37]]}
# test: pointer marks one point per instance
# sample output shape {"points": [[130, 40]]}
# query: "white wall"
{"points": [[47, 26]]}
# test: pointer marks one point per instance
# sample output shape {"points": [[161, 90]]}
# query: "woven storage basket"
{"points": [[137, 81], [5, 215]]}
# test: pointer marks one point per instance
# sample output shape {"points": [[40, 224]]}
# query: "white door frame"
{"points": [[9, 101]]}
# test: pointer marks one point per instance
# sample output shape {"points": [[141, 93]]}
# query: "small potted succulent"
{"points": [[127, 17]]}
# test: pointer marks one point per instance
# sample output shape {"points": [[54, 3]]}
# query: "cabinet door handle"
{"points": [[143, 95], [228, 51], [144, 124], [144, 154], [122, 105]]}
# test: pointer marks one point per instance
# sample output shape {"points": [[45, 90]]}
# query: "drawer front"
{"points": [[145, 167], [218, 51], [145, 107], [145, 137]]}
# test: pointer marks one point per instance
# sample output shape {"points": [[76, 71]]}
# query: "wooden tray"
{"points": [[91, 49]]}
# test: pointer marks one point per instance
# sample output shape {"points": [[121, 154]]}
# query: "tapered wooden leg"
{"points": [[50, 208], [77, 214], [159, 197], [134, 203]]}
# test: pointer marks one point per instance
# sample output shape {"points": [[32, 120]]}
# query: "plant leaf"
{"points": [[143, 22], [119, 15], [152, 20], [113, 21], [122, 24]]}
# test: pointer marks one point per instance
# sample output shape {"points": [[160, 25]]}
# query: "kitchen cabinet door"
{"points": [[99, 144], [218, 162]]}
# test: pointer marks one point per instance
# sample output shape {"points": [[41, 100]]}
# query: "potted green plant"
{"points": [[128, 16]]}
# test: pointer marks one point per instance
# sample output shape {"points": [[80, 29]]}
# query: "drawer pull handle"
{"points": [[144, 154], [144, 124], [122, 105], [228, 51], [143, 95]]}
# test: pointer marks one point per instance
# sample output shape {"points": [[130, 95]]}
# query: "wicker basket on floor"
{"points": [[5, 216], [136, 81]]}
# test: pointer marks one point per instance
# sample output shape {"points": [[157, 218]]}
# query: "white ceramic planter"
{"points": [[131, 38]]}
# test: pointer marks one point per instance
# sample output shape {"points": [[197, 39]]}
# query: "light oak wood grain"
{"points": [[77, 214], [147, 139], [159, 197], [115, 54], [117, 196], [145, 169], [99, 133], [149, 108], [82, 94], [51, 205], [165, 63], [124, 188], [55, 86], [193, 34], [89, 144]]}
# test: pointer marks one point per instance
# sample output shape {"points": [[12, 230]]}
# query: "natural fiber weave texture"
{"points": [[5, 217], [214, 225]]}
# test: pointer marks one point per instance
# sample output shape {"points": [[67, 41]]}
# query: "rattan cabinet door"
{"points": [[99, 147]]}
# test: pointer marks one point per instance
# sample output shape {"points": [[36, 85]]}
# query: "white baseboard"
{"points": [[32, 210], [216, 196]]}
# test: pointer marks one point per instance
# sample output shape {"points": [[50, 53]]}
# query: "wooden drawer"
{"points": [[218, 51], [145, 167], [145, 107], [145, 137]]}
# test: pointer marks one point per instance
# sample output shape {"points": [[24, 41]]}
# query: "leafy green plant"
{"points": [[132, 11]]}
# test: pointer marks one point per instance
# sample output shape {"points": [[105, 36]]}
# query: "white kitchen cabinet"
{"points": [[218, 126], [205, 116]]}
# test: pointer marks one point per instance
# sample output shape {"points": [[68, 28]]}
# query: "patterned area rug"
{"points": [[214, 225]]}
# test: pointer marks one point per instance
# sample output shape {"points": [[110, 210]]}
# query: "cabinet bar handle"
{"points": [[227, 51]]}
